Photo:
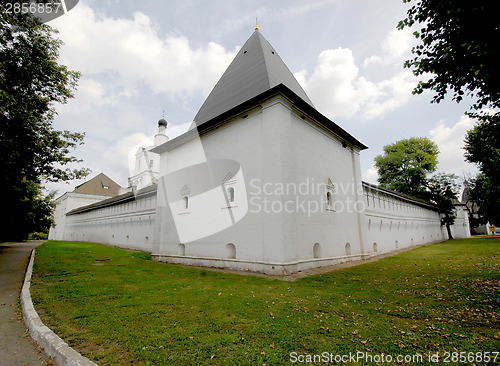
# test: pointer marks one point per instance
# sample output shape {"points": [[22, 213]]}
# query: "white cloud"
{"points": [[90, 93], [396, 48], [389, 95], [450, 141], [130, 51], [398, 44], [338, 89], [371, 175], [119, 159]]}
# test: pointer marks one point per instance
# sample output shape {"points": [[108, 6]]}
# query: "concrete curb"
{"points": [[54, 347]]}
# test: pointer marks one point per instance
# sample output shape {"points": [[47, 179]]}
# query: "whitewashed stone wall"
{"points": [[395, 222], [126, 224], [290, 165], [316, 238], [299, 202], [67, 202]]}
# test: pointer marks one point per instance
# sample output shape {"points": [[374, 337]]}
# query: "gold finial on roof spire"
{"points": [[256, 24]]}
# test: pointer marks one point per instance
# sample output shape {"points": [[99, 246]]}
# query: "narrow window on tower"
{"points": [[330, 190], [230, 194]]}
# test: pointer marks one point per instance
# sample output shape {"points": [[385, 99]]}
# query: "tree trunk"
{"points": [[448, 228]]}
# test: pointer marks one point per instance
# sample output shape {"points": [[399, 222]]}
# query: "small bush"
{"points": [[37, 236]]}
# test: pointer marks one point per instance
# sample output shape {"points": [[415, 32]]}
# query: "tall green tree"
{"points": [[32, 82], [458, 52], [443, 191], [458, 49], [482, 147], [480, 192], [405, 165]]}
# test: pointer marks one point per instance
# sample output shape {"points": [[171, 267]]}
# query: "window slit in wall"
{"points": [[230, 194]]}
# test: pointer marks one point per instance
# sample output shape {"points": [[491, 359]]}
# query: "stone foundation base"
{"points": [[280, 269]]}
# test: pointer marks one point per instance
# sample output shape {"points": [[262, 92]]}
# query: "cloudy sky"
{"points": [[140, 58]]}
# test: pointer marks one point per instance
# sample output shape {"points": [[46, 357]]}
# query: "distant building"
{"points": [[94, 190], [472, 209], [147, 163]]}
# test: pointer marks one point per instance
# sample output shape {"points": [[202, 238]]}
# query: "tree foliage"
{"points": [[482, 147], [443, 191], [405, 165], [32, 82], [458, 49], [483, 197]]}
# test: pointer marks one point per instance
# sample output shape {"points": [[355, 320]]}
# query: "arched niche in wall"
{"points": [[230, 251], [317, 250], [348, 249], [181, 249]]}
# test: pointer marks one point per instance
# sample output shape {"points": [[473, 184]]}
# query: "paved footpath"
{"points": [[16, 346]]}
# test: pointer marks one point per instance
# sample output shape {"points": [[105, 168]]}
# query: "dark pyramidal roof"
{"points": [[100, 184], [255, 69]]}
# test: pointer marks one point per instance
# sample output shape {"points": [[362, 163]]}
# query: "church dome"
{"points": [[162, 122]]}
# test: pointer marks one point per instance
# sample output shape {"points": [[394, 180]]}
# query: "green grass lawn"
{"points": [[119, 308]]}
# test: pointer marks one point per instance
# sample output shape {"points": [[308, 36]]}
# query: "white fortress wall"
{"points": [[323, 226], [238, 244], [395, 221], [66, 203], [281, 220], [391, 222], [126, 221]]}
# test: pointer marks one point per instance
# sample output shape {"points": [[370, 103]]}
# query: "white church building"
{"points": [[262, 181]]}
